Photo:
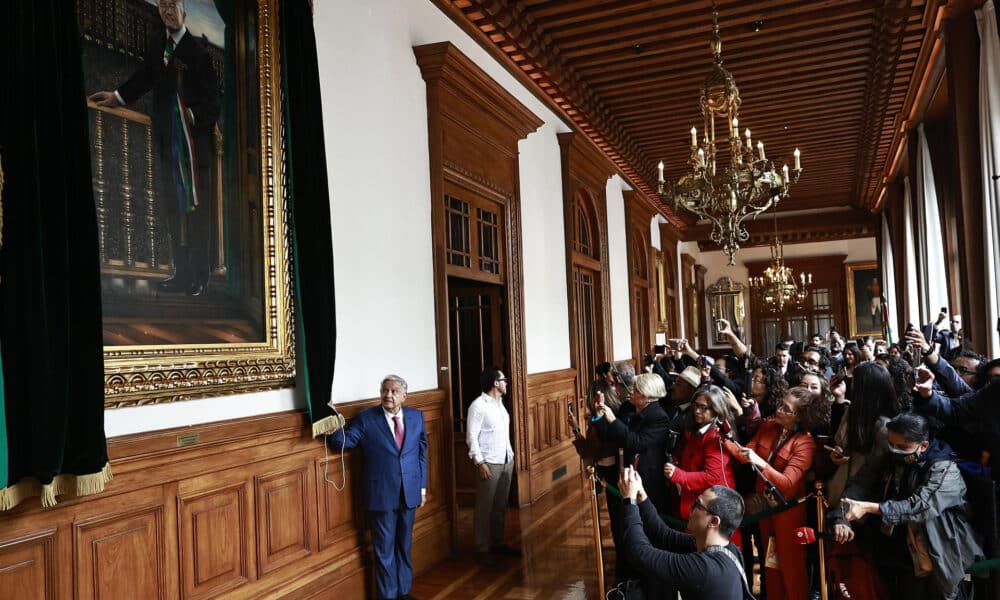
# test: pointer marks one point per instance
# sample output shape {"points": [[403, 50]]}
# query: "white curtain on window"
{"points": [[989, 123], [933, 280], [910, 249], [889, 282]]}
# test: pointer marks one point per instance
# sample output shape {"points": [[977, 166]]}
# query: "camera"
{"points": [[670, 443]]}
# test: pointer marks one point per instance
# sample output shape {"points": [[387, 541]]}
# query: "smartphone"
{"points": [[834, 450], [635, 463], [702, 362], [660, 349], [621, 460], [718, 325], [569, 407], [838, 377]]}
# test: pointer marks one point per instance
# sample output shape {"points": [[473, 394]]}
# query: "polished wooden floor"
{"points": [[559, 559]]}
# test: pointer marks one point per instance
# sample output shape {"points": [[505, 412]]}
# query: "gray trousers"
{"points": [[491, 505]]}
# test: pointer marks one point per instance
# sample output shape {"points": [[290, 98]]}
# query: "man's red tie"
{"points": [[398, 430]]}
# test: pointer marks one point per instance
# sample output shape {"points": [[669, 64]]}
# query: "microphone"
{"points": [[808, 535], [772, 490], [725, 428]]}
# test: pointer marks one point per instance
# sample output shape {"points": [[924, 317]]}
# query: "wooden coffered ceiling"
{"points": [[831, 77]]}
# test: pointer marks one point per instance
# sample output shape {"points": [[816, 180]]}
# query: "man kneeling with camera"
{"points": [[703, 564]]}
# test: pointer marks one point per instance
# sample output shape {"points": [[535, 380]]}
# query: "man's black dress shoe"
{"points": [[505, 550], [197, 289], [173, 284]]}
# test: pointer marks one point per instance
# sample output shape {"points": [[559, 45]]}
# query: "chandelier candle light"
{"points": [[777, 289], [726, 194]]}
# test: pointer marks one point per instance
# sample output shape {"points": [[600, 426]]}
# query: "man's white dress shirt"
{"points": [[488, 431]]}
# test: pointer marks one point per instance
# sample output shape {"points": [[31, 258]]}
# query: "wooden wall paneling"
{"points": [[121, 554], [28, 566], [585, 172], [474, 126], [668, 249], [638, 215], [213, 539], [554, 457], [893, 209], [962, 60], [691, 329], [187, 522], [283, 518]]}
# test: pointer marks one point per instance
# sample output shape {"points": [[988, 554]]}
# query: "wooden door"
{"points": [[476, 319]]}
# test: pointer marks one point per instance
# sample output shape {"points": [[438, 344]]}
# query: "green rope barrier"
{"points": [[984, 565], [747, 519]]}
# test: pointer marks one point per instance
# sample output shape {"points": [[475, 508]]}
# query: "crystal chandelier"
{"points": [[776, 288], [727, 193]]}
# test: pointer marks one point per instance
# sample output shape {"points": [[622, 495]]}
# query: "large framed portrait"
{"points": [[865, 300], [185, 113]]}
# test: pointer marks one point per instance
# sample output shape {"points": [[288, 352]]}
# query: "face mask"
{"points": [[904, 456]]}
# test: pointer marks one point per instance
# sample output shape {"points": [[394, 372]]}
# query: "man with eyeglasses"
{"points": [[700, 564], [488, 436]]}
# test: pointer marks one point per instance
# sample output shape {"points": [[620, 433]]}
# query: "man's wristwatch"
{"points": [[928, 352], [632, 501]]}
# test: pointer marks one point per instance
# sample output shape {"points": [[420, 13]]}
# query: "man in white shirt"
{"points": [[488, 436]]}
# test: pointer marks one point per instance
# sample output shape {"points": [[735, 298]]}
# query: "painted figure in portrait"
{"points": [[175, 137]]}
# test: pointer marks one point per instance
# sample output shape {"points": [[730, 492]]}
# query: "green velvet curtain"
{"points": [[50, 295], [310, 210]]}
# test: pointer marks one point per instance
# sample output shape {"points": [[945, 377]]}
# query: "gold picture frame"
{"points": [[261, 355], [864, 299]]}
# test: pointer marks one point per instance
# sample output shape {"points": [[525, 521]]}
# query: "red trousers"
{"points": [[790, 581]]}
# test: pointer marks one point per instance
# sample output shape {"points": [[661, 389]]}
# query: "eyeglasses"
{"points": [[698, 504], [701, 407], [783, 409]]}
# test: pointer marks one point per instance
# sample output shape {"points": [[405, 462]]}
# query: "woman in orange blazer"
{"points": [[783, 450]]}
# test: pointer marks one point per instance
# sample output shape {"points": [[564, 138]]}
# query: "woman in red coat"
{"points": [[783, 450], [703, 462]]}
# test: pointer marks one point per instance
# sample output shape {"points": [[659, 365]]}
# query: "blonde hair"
{"points": [[650, 385]]}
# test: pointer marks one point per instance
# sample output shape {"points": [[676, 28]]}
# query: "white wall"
{"points": [[546, 302], [375, 123], [717, 263], [621, 318]]}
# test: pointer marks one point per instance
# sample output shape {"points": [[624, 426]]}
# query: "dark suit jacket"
{"points": [[190, 73], [390, 473], [644, 435]]}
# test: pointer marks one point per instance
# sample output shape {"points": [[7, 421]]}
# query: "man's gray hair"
{"points": [[396, 378], [626, 373]]}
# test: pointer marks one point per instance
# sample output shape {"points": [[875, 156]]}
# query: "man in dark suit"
{"points": [[394, 443], [178, 70]]}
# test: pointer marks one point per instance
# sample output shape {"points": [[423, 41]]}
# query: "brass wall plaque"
{"points": [[188, 439]]}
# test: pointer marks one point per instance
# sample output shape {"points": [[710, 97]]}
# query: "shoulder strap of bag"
{"points": [[747, 593]]}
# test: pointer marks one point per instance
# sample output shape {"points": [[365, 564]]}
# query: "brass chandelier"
{"points": [[727, 194], [776, 288]]}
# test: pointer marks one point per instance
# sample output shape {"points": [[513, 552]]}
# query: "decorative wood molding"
{"points": [[474, 126], [28, 566]]}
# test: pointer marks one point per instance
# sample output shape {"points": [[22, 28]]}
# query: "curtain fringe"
{"points": [[324, 426], [62, 485]]}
